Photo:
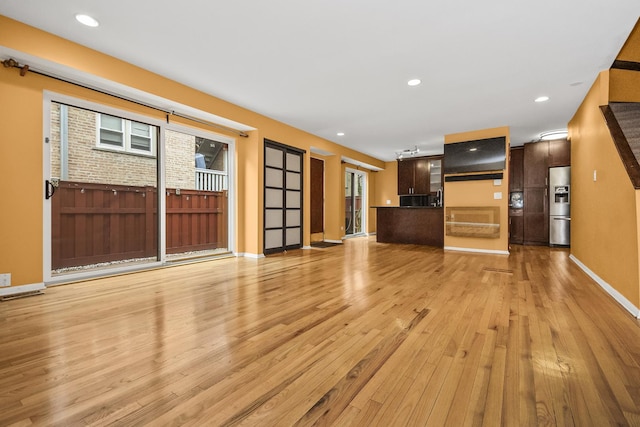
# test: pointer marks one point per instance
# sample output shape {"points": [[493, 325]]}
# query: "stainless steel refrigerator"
{"points": [[560, 206]]}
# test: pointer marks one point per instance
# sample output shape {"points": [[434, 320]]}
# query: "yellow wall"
{"points": [[333, 206], [386, 189], [479, 193], [631, 49], [604, 222], [21, 193], [387, 186], [21, 121]]}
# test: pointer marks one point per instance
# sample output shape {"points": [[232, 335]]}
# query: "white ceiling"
{"points": [[328, 66]]}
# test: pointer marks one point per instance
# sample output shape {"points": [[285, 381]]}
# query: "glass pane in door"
{"points": [[354, 202], [435, 175], [357, 203], [348, 204], [104, 209], [196, 195]]}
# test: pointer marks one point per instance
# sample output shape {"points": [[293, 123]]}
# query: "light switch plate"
{"points": [[497, 182], [497, 195]]}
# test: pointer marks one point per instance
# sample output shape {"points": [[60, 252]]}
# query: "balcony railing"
{"points": [[209, 180]]}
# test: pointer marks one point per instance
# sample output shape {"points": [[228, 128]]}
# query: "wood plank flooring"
{"points": [[362, 334]]}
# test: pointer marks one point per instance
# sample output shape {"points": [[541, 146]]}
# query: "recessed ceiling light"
{"points": [[414, 82], [340, 134], [542, 99], [473, 149], [87, 20]]}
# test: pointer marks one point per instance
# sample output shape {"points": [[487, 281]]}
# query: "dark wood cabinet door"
{"points": [[536, 216], [516, 169], [405, 176], [516, 229], [421, 176], [559, 153], [536, 164], [536, 229]]}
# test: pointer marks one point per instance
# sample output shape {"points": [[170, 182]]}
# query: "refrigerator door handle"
{"points": [[562, 219]]}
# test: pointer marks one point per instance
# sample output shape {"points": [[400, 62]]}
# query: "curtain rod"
{"points": [[24, 69]]}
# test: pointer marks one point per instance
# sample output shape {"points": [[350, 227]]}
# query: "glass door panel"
{"points": [[354, 202], [196, 195], [104, 209], [435, 175]]}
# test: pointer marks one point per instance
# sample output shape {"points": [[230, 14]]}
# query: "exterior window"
{"points": [[111, 131], [120, 134]]}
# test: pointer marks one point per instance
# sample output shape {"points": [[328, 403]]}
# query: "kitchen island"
{"points": [[420, 225]]}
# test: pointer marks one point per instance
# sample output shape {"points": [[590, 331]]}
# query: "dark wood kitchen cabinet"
{"points": [[559, 153], [516, 184], [415, 175], [516, 228], [516, 169], [536, 216], [536, 161], [536, 206]]}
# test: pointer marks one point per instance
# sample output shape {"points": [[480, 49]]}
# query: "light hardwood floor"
{"points": [[361, 334]]}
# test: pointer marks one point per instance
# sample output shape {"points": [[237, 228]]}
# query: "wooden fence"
{"points": [[94, 223]]}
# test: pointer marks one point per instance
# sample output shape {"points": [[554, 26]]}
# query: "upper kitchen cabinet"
{"points": [[516, 169], [536, 160], [559, 153], [421, 175], [435, 174]]}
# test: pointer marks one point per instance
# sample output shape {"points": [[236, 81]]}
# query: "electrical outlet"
{"points": [[5, 280]]}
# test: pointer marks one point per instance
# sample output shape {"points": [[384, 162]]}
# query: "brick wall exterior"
{"points": [[180, 151], [88, 163]]}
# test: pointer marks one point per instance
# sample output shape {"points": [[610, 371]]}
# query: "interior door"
{"points": [[317, 195], [282, 197]]}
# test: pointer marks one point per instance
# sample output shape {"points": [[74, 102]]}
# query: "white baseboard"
{"points": [[635, 312], [307, 247], [248, 255], [480, 251], [12, 290], [332, 241]]}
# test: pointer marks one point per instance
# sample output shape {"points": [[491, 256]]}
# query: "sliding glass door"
{"points": [[197, 187], [354, 202], [102, 186], [124, 191]]}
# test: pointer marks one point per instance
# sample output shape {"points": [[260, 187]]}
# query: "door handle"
{"points": [[49, 189]]}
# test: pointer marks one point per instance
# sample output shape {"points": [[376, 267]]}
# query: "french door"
{"points": [[282, 197]]}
